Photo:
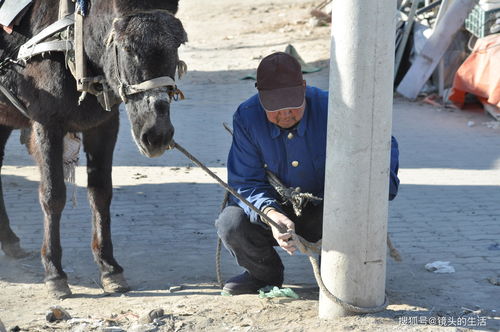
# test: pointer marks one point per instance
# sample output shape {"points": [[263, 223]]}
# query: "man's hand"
{"points": [[284, 239]]}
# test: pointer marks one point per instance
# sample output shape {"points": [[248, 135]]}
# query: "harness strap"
{"points": [[80, 59], [26, 50], [50, 46], [158, 82], [14, 100], [36, 45], [66, 7]]}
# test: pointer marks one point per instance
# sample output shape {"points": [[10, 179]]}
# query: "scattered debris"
{"points": [[467, 311], [314, 22], [434, 100], [268, 292], [173, 289], [321, 14], [152, 316], [440, 267], [84, 324], [470, 123], [142, 328], [492, 124], [138, 176], [112, 329], [57, 313], [492, 110], [495, 246], [494, 281]]}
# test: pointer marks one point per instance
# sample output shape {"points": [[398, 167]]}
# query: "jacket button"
{"points": [[290, 135], [295, 163]]}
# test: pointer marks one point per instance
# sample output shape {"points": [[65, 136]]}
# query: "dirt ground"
{"points": [[227, 38]]}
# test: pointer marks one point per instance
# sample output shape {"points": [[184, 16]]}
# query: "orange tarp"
{"points": [[480, 73]]}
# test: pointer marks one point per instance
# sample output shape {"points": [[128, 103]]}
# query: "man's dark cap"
{"points": [[280, 82]]}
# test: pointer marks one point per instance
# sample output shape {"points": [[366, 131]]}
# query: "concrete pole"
{"points": [[353, 259]]}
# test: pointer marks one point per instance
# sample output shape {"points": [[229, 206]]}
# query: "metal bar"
{"points": [[406, 34], [429, 7]]}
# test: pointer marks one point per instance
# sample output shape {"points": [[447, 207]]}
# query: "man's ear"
{"points": [[304, 83]]}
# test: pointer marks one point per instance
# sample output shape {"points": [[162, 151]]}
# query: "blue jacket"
{"points": [[296, 156]]}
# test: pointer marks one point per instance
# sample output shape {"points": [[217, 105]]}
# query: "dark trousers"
{"points": [[252, 244]]}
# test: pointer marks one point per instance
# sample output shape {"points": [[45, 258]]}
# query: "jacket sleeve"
{"points": [[246, 173], [393, 179]]}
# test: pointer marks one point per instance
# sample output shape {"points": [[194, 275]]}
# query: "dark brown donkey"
{"points": [[126, 42]]}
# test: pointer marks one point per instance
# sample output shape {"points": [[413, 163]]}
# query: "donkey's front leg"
{"points": [[99, 144], [48, 149]]}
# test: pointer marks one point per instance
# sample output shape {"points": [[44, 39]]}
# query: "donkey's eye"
{"points": [[127, 49]]}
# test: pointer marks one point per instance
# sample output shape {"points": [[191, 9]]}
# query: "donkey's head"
{"points": [[140, 63]]}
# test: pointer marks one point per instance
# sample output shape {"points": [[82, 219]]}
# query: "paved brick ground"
{"points": [[164, 209]]}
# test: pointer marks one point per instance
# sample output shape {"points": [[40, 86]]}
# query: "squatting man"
{"points": [[282, 129]]}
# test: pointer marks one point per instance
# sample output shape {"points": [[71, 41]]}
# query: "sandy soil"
{"points": [[227, 38]]}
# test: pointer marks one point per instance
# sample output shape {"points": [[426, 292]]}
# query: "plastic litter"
{"points": [[174, 289], [57, 313], [440, 267], [494, 281], [495, 246], [277, 292]]}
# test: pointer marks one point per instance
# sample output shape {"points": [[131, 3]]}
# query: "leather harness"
{"points": [[69, 40]]}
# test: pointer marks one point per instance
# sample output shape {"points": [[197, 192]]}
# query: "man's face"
{"points": [[286, 118]]}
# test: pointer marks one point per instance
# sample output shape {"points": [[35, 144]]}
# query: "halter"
{"points": [[96, 85], [168, 82]]}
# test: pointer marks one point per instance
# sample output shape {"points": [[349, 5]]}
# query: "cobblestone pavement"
{"points": [[163, 209]]}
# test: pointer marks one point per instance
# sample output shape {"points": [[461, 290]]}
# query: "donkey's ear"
{"points": [[176, 26], [118, 28], [172, 6]]}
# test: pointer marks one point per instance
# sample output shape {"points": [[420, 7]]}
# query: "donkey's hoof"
{"points": [[58, 288], [115, 283], [14, 250]]}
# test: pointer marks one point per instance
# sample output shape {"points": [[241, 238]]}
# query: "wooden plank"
{"points": [[493, 110], [434, 48], [440, 70]]}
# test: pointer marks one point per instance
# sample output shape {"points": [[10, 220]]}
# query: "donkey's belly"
{"points": [[11, 117], [86, 118]]}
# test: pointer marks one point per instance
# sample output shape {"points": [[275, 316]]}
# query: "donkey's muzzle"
{"points": [[155, 140], [157, 133]]}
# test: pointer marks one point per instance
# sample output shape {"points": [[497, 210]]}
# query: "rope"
{"points": [[292, 196], [219, 245], [303, 245]]}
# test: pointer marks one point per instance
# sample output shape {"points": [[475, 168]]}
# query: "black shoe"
{"points": [[243, 284]]}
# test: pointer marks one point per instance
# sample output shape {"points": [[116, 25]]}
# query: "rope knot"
{"points": [[290, 195]]}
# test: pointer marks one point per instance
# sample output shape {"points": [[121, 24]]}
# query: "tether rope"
{"points": [[303, 245]]}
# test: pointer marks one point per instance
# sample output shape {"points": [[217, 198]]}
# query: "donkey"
{"points": [[127, 42]]}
